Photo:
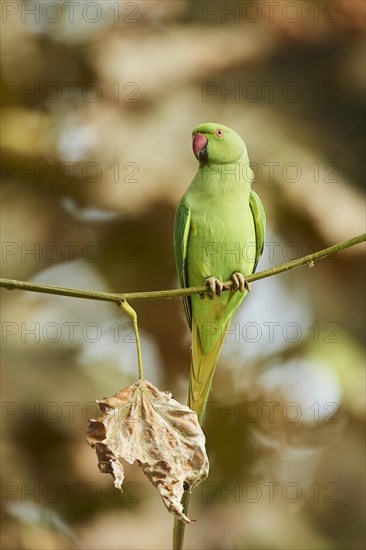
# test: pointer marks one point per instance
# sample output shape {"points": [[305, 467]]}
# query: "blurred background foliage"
{"points": [[98, 101]]}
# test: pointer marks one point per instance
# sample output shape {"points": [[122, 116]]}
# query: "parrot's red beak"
{"points": [[199, 143]]}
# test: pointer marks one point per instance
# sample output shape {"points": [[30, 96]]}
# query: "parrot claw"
{"points": [[240, 283], [214, 286]]}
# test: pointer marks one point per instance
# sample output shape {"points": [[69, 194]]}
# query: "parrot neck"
{"points": [[231, 175]]}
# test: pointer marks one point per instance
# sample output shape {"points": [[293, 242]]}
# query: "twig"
{"points": [[309, 260]]}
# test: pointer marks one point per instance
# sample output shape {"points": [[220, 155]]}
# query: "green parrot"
{"points": [[218, 235]]}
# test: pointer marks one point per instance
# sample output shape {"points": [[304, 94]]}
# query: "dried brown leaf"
{"points": [[143, 424]]}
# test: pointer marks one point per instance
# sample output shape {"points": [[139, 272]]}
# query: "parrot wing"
{"points": [[182, 225], [259, 218]]}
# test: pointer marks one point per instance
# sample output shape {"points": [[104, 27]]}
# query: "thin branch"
{"points": [[309, 260]]}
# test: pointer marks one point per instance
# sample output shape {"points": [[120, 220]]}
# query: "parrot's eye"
{"points": [[219, 132]]}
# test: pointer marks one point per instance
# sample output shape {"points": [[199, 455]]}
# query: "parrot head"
{"points": [[216, 144]]}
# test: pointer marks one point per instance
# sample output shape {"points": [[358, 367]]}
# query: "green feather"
{"points": [[259, 217], [181, 233]]}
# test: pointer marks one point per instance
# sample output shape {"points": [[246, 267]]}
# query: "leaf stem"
{"points": [[179, 526], [133, 316]]}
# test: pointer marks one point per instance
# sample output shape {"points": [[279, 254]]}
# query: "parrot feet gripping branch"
{"points": [[215, 286], [240, 282]]}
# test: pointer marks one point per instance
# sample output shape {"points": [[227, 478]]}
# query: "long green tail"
{"points": [[202, 372], [200, 382]]}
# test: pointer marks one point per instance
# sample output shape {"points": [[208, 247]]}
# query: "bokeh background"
{"points": [[98, 102]]}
